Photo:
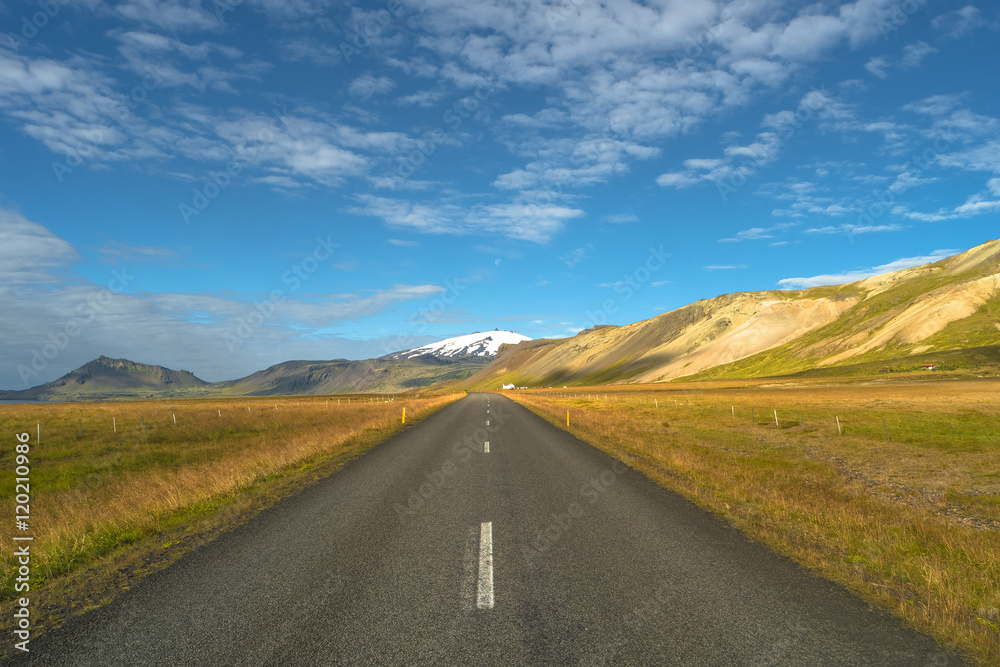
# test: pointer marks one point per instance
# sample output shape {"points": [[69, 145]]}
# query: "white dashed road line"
{"points": [[484, 600]]}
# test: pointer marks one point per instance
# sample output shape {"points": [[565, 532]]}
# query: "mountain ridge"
{"points": [[949, 308], [108, 378], [942, 306]]}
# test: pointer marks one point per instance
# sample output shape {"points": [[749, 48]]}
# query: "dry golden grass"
{"points": [[93, 495], [910, 524]]}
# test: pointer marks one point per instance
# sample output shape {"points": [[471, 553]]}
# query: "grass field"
{"points": [[901, 504], [119, 489]]}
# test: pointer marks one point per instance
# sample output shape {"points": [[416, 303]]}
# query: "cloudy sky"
{"points": [[221, 185]]}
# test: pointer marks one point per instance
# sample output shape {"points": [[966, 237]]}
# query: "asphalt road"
{"points": [[429, 550]]}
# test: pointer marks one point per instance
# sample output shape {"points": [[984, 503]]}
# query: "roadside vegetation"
{"points": [[892, 489], [122, 489]]}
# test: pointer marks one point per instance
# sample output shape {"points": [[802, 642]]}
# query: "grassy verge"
{"points": [[121, 489], [901, 505]]}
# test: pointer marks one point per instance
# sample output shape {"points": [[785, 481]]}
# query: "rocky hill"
{"points": [[105, 377], [899, 319]]}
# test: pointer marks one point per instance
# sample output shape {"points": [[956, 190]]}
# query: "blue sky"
{"points": [[220, 186]]}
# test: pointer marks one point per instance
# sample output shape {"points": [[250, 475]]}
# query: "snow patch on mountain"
{"points": [[475, 344]]}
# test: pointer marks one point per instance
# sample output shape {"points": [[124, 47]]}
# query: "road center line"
{"points": [[486, 447], [485, 598]]}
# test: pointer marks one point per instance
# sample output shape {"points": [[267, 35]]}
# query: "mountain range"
{"points": [[447, 360], [944, 315]]}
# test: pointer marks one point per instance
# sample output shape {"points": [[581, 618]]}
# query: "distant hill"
{"points": [[105, 377], [895, 321], [449, 360], [341, 376]]}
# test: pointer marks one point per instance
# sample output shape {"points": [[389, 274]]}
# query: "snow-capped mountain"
{"points": [[474, 344]]}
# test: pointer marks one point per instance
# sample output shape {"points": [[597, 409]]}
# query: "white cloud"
{"points": [[855, 230], [982, 158], [519, 179], [702, 163], [965, 125], [183, 330], [977, 206], [722, 58], [565, 163], [298, 146], [940, 216], [68, 106], [613, 106], [576, 256], [415, 66], [72, 107], [546, 118], [912, 57], [958, 23], [758, 233], [116, 252], [399, 182], [914, 54], [985, 157], [306, 49], [879, 66], [677, 179], [621, 218], [367, 86], [907, 179], [739, 161], [180, 330], [983, 202], [861, 274], [936, 105], [280, 182], [145, 50], [423, 98], [808, 37], [287, 12], [29, 252], [169, 15], [524, 220]]}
